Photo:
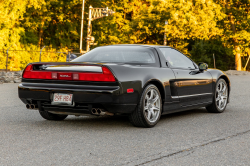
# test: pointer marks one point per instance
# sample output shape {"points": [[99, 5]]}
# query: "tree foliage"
{"points": [[236, 27], [198, 28]]}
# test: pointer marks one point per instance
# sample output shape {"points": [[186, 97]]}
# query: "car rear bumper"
{"points": [[85, 97]]}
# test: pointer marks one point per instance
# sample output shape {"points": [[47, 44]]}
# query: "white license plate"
{"points": [[62, 99]]}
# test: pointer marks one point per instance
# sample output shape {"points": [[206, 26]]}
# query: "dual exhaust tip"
{"points": [[31, 106], [99, 111], [94, 111]]}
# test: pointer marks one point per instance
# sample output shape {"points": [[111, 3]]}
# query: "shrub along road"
{"points": [[188, 138]]}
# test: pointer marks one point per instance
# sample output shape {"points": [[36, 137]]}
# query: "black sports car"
{"points": [[140, 81]]}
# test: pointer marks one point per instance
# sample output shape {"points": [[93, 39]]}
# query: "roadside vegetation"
{"points": [[198, 28]]}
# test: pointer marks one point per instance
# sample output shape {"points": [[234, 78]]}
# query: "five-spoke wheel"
{"points": [[152, 105], [148, 111], [220, 97]]}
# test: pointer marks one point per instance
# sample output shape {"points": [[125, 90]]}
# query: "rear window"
{"points": [[119, 54]]}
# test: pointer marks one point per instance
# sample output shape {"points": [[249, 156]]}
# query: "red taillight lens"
{"points": [[105, 76], [105, 70], [28, 68], [30, 73]]}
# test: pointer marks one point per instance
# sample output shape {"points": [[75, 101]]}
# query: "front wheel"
{"points": [[148, 111], [220, 97]]}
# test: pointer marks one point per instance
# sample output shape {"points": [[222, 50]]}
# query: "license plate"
{"points": [[62, 99]]}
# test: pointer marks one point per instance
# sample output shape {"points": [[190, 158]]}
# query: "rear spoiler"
{"points": [[65, 63], [43, 65]]}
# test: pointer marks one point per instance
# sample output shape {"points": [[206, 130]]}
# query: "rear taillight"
{"points": [[105, 76], [32, 74]]}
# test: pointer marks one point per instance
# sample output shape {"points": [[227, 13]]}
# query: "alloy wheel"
{"points": [[152, 105], [221, 95]]}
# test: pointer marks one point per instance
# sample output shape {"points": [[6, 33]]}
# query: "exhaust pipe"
{"points": [[102, 112], [98, 111], [27, 106], [93, 111], [32, 106]]}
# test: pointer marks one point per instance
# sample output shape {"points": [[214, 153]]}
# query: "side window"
{"points": [[177, 59]]}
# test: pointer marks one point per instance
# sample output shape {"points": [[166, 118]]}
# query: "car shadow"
{"points": [[185, 113], [114, 122], [88, 122]]}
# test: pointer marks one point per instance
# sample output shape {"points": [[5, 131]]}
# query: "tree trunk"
{"points": [[41, 33], [40, 37], [236, 45], [237, 58]]}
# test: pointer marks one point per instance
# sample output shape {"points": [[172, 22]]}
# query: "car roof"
{"points": [[136, 45]]}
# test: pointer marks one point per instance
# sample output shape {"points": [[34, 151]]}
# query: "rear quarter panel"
{"points": [[137, 77]]}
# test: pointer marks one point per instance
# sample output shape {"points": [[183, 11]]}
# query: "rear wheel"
{"points": [[148, 111], [220, 97]]}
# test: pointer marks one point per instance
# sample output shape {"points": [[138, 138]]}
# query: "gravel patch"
{"points": [[10, 77], [235, 72]]}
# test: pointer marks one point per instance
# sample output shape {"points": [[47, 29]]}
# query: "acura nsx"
{"points": [[140, 81]]}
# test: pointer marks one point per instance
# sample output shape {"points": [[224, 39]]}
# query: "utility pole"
{"points": [[82, 21], [165, 38], [41, 53], [95, 13], [89, 29], [214, 61]]}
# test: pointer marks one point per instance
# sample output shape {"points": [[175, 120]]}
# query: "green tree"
{"points": [[203, 51], [11, 14], [143, 21], [56, 24], [236, 27]]}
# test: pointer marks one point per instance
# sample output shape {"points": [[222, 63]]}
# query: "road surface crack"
{"points": [[191, 148]]}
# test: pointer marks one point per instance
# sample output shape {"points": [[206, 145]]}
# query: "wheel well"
{"points": [[159, 86], [227, 81]]}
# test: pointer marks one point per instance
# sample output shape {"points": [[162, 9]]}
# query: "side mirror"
{"points": [[203, 66], [167, 64]]}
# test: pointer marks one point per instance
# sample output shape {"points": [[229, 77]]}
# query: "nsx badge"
{"points": [[65, 75]]}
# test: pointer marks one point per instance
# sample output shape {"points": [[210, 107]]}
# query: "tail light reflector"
{"points": [[105, 76], [54, 75], [75, 76], [131, 90]]}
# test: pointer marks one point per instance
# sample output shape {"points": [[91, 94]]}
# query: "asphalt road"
{"points": [[188, 138]]}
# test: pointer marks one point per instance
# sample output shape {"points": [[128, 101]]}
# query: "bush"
{"points": [[22, 56], [202, 51]]}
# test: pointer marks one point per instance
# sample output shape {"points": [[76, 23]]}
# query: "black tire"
{"points": [[138, 117], [214, 108], [49, 116]]}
